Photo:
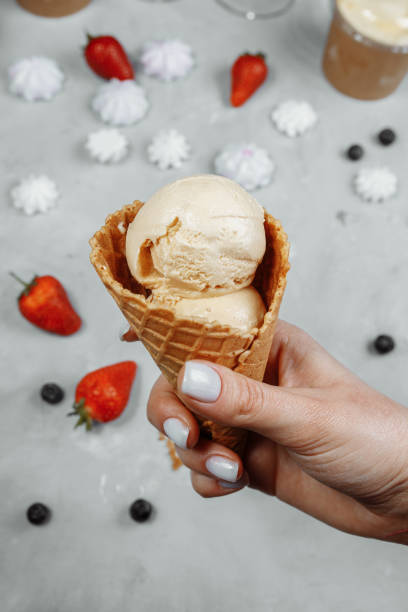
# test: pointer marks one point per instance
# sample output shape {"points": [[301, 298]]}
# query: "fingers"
{"points": [[296, 412], [221, 469], [213, 460], [209, 487], [166, 412], [219, 394]]}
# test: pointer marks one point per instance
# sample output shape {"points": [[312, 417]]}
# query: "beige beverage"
{"points": [[53, 8], [366, 54]]}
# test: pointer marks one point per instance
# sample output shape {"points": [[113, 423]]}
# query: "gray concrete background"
{"points": [[347, 284]]}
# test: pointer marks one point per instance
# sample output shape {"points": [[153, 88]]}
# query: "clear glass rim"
{"points": [[361, 38], [253, 14]]}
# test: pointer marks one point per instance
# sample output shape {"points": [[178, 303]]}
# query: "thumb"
{"points": [[285, 415]]}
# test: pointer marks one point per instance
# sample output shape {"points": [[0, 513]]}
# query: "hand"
{"points": [[320, 439]]}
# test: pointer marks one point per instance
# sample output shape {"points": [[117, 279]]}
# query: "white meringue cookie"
{"points": [[168, 149], [120, 102], [107, 146], [167, 59], [35, 194], [35, 78], [247, 164], [293, 117], [375, 184]]}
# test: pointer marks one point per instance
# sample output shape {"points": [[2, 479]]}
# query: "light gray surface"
{"points": [[348, 282]]}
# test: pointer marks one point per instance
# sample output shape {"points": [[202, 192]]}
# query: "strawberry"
{"points": [[44, 302], [106, 56], [247, 74], [102, 395]]}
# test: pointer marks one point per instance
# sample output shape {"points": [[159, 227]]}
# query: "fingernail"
{"points": [[200, 382], [176, 431], [222, 468], [240, 484]]}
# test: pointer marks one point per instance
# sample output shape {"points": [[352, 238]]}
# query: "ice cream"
{"points": [[200, 313], [196, 245], [202, 234], [381, 20], [243, 309]]}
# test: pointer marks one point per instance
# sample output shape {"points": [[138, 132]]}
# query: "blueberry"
{"points": [[384, 344], [38, 514], [386, 136], [52, 393], [355, 152], [140, 510]]}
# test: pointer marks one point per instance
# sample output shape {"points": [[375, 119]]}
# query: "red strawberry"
{"points": [[106, 56], [247, 74], [44, 302], [103, 394]]}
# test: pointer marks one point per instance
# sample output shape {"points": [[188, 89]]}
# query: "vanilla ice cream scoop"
{"points": [[200, 236], [243, 309]]}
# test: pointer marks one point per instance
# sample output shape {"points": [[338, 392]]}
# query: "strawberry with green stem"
{"points": [[102, 395]]}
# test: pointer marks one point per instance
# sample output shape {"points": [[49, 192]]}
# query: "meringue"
{"points": [[168, 149], [167, 59], [35, 78], [375, 184], [107, 146], [293, 117], [247, 164], [120, 102], [35, 194]]}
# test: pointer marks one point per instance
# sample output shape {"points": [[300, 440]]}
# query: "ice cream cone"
{"points": [[172, 341]]}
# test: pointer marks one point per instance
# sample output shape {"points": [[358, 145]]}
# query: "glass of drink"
{"points": [[256, 9], [53, 8], [366, 54]]}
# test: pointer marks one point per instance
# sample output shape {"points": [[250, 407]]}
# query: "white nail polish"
{"points": [[201, 382], [176, 431], [222, 468]]}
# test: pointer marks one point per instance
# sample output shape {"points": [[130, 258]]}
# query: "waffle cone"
{"points": [[171, 340]]}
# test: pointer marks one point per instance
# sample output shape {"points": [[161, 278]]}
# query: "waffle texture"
{"points": [[172, 341]]}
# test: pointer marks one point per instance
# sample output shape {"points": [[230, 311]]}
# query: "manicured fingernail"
{"points": [[200, 382], [222, 468], [240, 484], [176, 431]]}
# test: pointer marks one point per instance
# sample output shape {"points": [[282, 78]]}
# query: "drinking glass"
{"points": [[53, 8], [256, 9], [360, 66]]}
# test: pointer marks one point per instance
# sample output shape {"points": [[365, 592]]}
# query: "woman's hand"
{"points": [[321, 440]]}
